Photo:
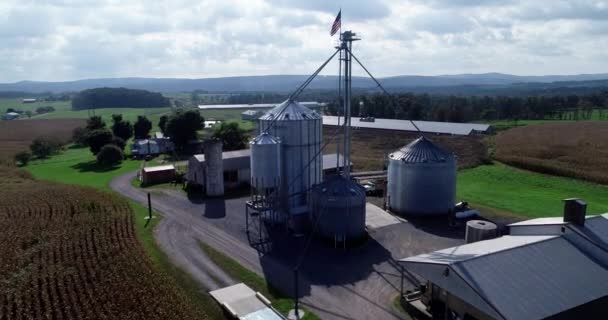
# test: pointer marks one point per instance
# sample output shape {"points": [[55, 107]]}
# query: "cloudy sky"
{"points": [[76, 39]]}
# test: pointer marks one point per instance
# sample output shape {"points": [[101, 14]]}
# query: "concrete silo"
{"points": [[338, 209], [421, 179], [300, 131], [214, 168]]}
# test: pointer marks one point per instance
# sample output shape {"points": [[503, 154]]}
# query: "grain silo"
{"points": [[421, 179], [214, 168], [338, 209], [300, 131], [265, 162]]}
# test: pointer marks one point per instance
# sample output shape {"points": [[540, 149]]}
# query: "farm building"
{"points": [[152, 146], [532, 273], [451, 128], [31, 100], [236, 167], [308, 104], [10, 116], [250, 115], [157, 174]]}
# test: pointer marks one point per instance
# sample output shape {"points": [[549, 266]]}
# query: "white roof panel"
{"points": [[539, 221], [406, 125], [159, 168]]}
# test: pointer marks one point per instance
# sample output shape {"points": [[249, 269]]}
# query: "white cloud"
{"points": [[72, 39]]}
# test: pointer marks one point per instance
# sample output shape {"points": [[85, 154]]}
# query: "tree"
{"points": [[109, 155], [28, 113], [162, 123], [79, 136], [231, 135], [98, 138], [44, 147], [119, 142], [120, 128], [142, 127], [183, 126], [23, 157], [95, 122]]}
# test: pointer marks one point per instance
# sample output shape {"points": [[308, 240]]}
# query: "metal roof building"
{"points": [[308, 104], [532, 276], [406, 125]]}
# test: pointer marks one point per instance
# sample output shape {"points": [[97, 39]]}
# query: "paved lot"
{"points": [[357, 283]]}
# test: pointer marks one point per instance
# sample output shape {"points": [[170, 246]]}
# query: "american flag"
{"points": [[337, 24]]}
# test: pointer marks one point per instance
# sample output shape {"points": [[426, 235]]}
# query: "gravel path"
{"points": [[356, 284]]}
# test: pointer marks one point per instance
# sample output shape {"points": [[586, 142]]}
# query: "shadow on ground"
{"points": [[93, 166]]}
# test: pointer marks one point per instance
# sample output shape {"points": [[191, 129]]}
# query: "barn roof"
{"points": [[240, 159], [159, 168], [406, 125], [516, 277]]}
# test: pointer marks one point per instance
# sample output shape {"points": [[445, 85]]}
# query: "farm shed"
{"points": [[30, 100], [308, 104], [157, 174], [452, 128], [250, 115], [10, 116], [554, 273], [237, 167]]}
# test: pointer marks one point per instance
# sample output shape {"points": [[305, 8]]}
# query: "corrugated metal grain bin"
{"points": [[421, 179]]}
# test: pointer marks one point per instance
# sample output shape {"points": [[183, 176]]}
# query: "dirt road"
{"points": [[358, 284]]}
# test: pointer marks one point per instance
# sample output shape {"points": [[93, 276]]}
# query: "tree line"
{"points": [[475, 108], [118, 98]]}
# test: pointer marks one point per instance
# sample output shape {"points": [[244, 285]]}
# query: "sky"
{"points": [[55, 40]]}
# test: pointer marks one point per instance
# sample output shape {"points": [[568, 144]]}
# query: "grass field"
{"points": [[527, 193], [16, 103], [576, 149], [279, 301]]}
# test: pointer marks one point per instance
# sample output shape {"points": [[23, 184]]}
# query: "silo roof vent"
{"points": [[421, 150]]}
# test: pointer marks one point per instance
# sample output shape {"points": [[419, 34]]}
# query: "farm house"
{"points": [[157, 174]]}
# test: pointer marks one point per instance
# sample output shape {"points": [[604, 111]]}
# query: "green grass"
{"points": [[279, 301], [229, 115], [527, 193]]}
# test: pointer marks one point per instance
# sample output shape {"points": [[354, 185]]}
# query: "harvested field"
{"points": [[16, 135], [72, 253], [576, 149], [371, 146]]}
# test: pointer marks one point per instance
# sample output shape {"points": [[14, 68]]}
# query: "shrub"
{"points": [[119, 142], [79, 136], [44, 147], [109, 155], [23, 157]]}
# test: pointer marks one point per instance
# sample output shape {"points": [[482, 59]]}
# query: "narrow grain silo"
{"points": [[214, 168], [421, 179]]}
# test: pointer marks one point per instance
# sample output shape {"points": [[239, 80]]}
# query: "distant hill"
{"points": [[464, 83]]}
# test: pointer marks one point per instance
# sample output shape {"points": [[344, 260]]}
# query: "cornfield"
{"points": [[577, 150], [72, 253]]}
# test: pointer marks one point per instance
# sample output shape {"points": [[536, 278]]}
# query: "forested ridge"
{"points": [[118, 98]]}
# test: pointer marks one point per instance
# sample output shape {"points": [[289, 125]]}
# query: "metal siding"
{"points": [[265, 162], [421, 189]]}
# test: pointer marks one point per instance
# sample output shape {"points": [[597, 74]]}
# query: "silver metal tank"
{"points": [[214, 168], [265, 162], [300, 131], [421, 179], [338, 209]]}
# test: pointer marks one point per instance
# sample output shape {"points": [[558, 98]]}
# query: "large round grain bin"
{"points": [[214, 168], [265, 162], [421, 179], [300, 131], [338, 210]]}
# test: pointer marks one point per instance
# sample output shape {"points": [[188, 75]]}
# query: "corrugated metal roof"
{"points": [[521, 277], [406, 125], [290, 110], [421, 150], [159, 168], [598, 226], [539, 221], [264, 138], [309, 104], [329, 160]]}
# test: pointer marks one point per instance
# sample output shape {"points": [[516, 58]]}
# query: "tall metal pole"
{"points": [[347, 42]]}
